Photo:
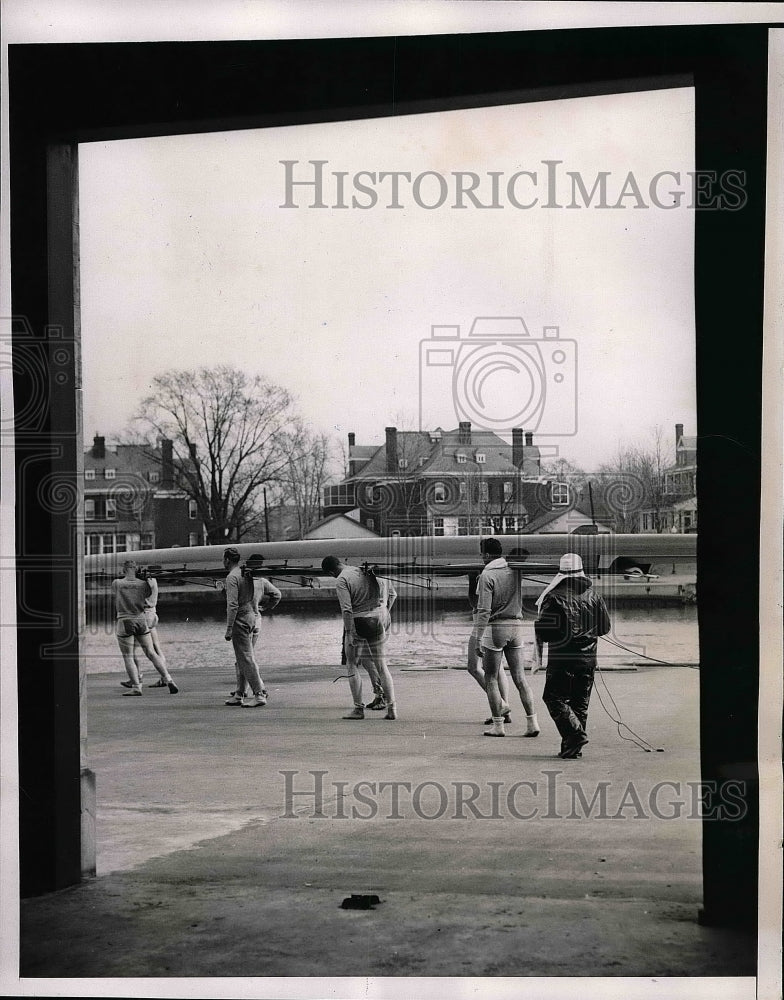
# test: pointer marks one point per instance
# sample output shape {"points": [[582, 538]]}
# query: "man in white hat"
{"points": [[571, 618]]}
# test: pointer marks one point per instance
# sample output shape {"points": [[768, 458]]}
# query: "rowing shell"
{"points": [[425, 556]]}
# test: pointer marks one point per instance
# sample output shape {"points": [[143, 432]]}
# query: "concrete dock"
{"points": [[229, 837]]}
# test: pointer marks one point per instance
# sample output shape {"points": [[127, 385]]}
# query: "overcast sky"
{"points": [[188, 259]]}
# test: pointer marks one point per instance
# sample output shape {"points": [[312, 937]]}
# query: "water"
{"points": [[310, 639]]}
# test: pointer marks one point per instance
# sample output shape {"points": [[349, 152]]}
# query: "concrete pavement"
{"points": [[212, 862]]}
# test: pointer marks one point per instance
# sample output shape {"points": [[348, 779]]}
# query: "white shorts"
{"points": [[504, 634]]}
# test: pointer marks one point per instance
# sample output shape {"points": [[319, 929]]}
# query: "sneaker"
{"points": [[254, 701], [493, 734], [533, 733], [391, 713], [126, 684], [377, 704], [234, 700], [507, 717], [173, 689], [160, 683], [135, 692], [356, 713]]}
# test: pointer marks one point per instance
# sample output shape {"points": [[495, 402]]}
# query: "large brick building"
{"points": [[457, 482], [131, 500]]}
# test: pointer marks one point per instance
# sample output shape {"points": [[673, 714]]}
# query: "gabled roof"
{"points": [[436, 454]]}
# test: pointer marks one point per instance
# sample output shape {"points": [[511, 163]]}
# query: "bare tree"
{"points": [[307, 471], [634, 480], [228, 433]]}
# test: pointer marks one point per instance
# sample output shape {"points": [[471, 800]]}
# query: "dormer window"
{"points": [[439, 493], [109, 473], [89, 474], [155, 476], [480, 457], [559, 494], [460, 456], [402, 463]]}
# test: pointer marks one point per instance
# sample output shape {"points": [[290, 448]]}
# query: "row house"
{"points": [[678, 510], [132, 501], [456, 482]]}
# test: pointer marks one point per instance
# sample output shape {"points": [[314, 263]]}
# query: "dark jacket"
{"points": [[571, 619]]}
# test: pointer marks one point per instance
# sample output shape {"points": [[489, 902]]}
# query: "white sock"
{"points": [[498, 725], [533, 724]]}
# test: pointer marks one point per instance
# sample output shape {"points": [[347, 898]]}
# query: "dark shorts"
{"points": [[371, 629], [129, 627]]}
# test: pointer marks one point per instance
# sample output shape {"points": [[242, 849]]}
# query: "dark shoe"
{"points": [[507, 717], [378, 703], [356, 713], [173, 689], [391, 714], [532, 735], [493, 734], [160, 683], [573, 747], [126, 684]]}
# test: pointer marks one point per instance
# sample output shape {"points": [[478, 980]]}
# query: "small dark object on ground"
{"points": [[359, 901]]}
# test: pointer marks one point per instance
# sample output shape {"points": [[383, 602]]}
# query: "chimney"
{"points": [[678, 433], [192, 450], [351, 439], [464, 432], [517, 446], [99, 447], [529, 439], [167, 464], [391, 433]]}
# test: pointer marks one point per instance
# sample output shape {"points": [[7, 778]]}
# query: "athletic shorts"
{"points": [[504, 634], [129, 627], [373, 628]]}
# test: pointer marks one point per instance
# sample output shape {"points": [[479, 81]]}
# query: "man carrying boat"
{"points": [[365, 602], [500, 611], [242, 628]]}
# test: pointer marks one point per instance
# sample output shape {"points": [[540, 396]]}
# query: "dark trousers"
{"points": [[567, 692]]}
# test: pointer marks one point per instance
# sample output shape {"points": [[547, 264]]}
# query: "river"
{"points": [[310, 639]]}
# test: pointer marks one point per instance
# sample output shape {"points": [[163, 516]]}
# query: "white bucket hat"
{"points": [[570, 566]]}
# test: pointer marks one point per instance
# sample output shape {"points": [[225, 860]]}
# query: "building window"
{"points": [[107, 543], [146, 540], [121, 543], [463, 490], [439, 493], [484, 492], [340, 496], [109, 473], [402, 463], [508, 487], [461, 459], [510, 525], [193, 539], [89, 474], [438, 526], [371, 523], [559, 494], [89, 510], [193, 510], [369, 494], [95, 544], [396, 534], [462, 525], [155, 476], [111, 509], [480, 457]]}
